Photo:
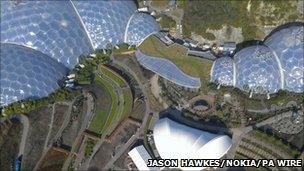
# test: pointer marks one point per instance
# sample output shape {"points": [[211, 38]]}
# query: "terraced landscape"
{"points": [[258, 145], [105, 120]]}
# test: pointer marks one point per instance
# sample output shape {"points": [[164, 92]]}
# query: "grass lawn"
{"points": [[99, 120], [162, 4], [178, 54], [115, 77], [127, 95], [103, 119]]}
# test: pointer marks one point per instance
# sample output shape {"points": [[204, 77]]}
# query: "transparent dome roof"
{"points": [[167, 69], [140, 26], [27, 73], [223, 71], [288, 45], [64, 31], [51, 27], [105, 21], [257, 70]]}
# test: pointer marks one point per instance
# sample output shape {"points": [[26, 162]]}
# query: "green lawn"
{"points": [[103, 119], [123, 48], [104, 70], [114, 106], [127, 95], [178, 54], [99, 120]]}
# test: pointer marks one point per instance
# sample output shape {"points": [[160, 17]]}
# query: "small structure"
{"points": [[163, 36], [81, 65], [71, 76], [227, 48], [197, 52], [191, 43], [93, 55], [144, 9], [140, 157]]}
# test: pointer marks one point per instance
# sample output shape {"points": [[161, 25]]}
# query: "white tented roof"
{"points": [[140, 156], [177, 141]]}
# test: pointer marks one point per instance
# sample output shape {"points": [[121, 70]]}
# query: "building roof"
{"points": [[222, 71], [176, 141], [27, 73], [167, 69], [277, 64], [65, 31], [288, 45], [140, 157], [257, 70], [105, 21], [140, 26], [50, 27]]}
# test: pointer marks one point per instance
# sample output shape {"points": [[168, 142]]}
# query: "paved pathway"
{"points": [[25, 122], [50, 128]]}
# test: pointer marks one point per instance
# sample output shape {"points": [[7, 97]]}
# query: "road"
{"points": [[50, 128], [25, 122]]}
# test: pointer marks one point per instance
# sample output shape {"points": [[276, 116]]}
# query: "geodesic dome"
{"points": [[64, 31], [288, 45], [27, 73], [277, 64], [223, 71], [105, 21], [140, 26], [257, 70], [51, 27]]}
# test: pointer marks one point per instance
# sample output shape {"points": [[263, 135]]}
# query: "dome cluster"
{"points": [[277, 64], [63, 31]]}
